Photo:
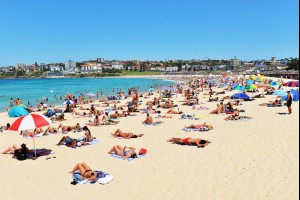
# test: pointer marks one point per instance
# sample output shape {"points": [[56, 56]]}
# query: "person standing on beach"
{"points": [[289, 102]]}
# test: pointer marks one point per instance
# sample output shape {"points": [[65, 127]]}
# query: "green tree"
{"points": [[293, 64]]}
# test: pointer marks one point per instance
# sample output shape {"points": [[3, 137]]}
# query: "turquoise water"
{"points": [[35, 89]]}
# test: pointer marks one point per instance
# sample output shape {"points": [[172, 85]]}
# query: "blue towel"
{"points": [[129, 159], [153, 124]]}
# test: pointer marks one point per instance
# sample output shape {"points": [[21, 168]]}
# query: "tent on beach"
{"points": [[17, 111]]}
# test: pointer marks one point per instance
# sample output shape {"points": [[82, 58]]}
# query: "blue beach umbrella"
{"points": [[249, 82], [240, 96], [294, 94], [280, 93], [68, 102], [274, 83], [234, 85]]}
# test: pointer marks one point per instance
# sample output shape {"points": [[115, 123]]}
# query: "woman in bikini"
{"points": [[85, 171], [119, 133], [171, 111], [126, 152], [189, 141]]}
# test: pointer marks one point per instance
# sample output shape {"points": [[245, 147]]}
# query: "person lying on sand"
{"points": [[172, 111], [85, 171], [72, 142], [236, 116], [119, 133], [65, 129], [213, 99], [126, 152], [272, 103], [198, 126], [16, 148], [31, 133], [189, 141], [51, 130], [5, 128], [78, 114]]}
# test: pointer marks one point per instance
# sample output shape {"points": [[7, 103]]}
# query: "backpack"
{"points": [[20, 154]]}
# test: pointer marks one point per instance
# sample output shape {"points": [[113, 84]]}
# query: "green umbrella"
{"points": [[239, 87]]}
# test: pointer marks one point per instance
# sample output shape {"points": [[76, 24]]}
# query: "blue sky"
{"points": [[61, 30]]}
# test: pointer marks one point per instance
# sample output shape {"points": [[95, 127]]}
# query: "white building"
{"points": [[91, 67], [117, 65], [70, 65]]}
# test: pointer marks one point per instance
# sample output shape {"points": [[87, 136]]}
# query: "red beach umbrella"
{"points": [[30, 121], [292, 84]]}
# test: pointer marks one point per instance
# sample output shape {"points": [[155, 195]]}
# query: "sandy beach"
{"points": [[256, 159]]}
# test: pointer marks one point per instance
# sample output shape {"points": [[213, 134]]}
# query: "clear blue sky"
{"points": [[59, 30]]}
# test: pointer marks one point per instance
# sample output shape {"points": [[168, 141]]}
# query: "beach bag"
{"points": [[20, 155], [142, 151]]}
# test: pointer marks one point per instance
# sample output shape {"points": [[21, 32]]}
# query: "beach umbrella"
{"points": [[234, 85], [249, 82], [294, 94], [151, 89], [274, 83], [280, 93], [240, 96], [68, 102], [251, 87], [28, 122], [291, 84], [239, 87]]}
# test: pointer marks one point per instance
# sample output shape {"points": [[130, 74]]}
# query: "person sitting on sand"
{"points": [[96, 122], [5, 128], [114, 115], [217, 111], [189, 141], [107, 121], [16, 148], [85, 171], [198, 126], [172, 111], [148, 120], [126, 152], [119, 133]]}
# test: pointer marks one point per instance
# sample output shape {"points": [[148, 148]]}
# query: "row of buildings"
{"points": [[99, 65]]}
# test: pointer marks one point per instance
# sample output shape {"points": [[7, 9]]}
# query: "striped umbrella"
{"points": [[274, 83], [292, 84], [28, 122], [239, 87], [251, 87]]}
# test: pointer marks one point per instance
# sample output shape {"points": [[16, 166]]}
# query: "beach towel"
{"points": [[202, 129], [39, 153], [129, 159], [153, 124], [102, 178], [94, 141]]}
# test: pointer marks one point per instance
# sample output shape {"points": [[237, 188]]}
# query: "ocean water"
{"points": [[31, 91]]}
